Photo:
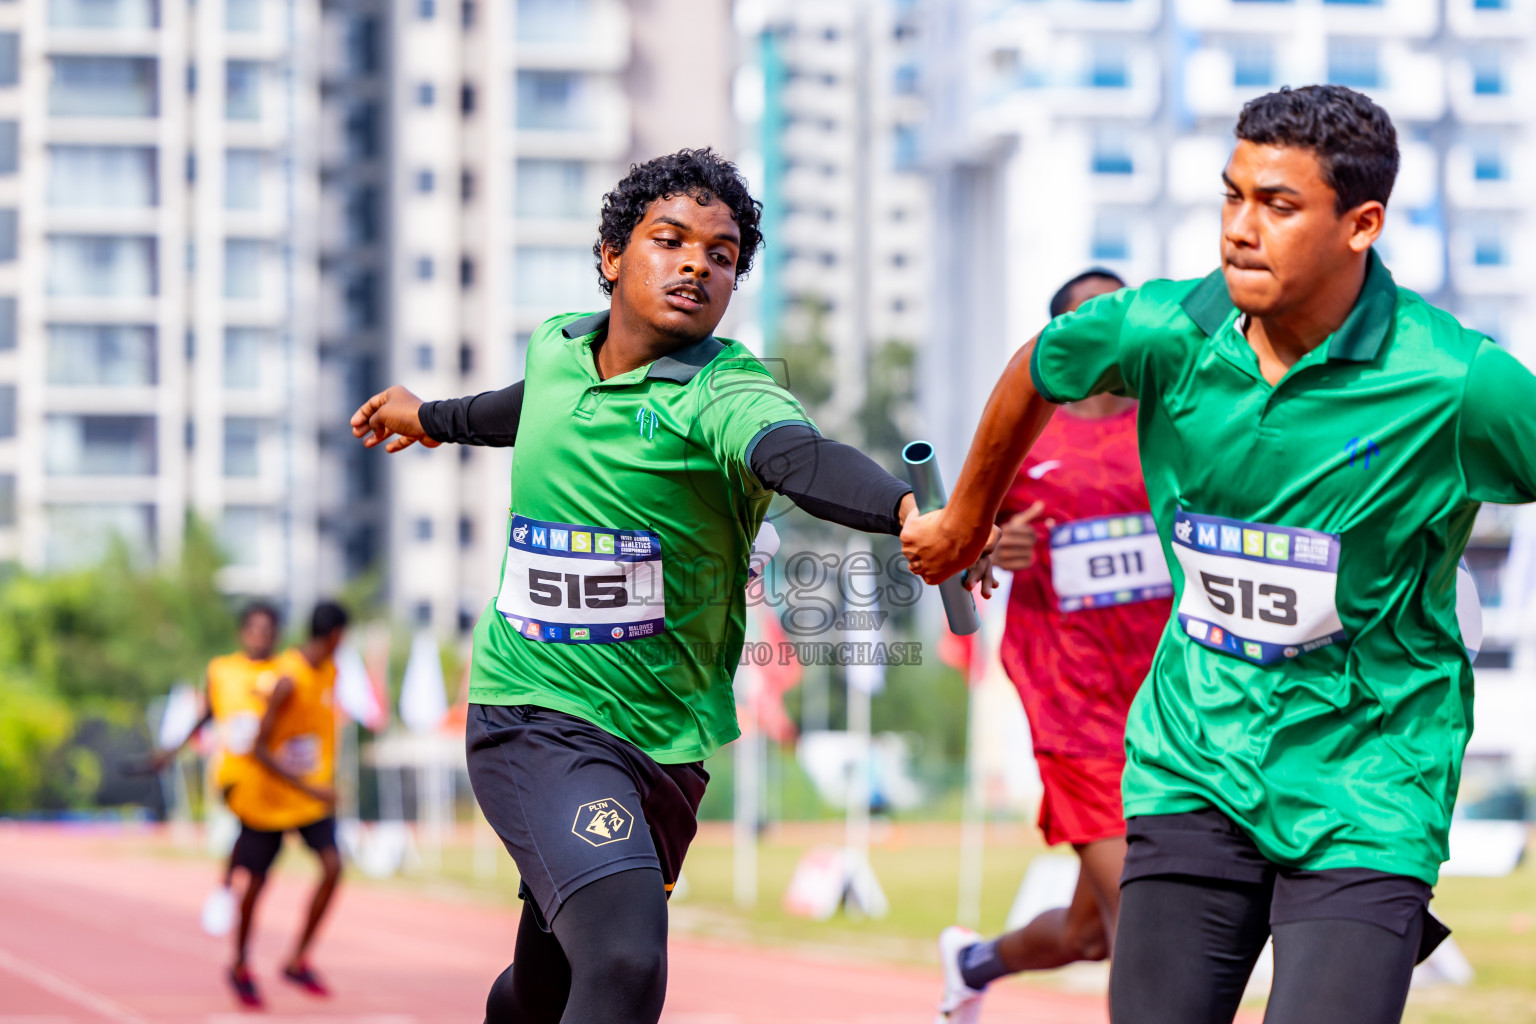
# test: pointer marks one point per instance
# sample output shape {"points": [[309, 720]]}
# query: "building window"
{"points": [[425, 268], [426, 94], [242, 90], [467, 98], [554, 276], [552, 189], [1354, 63], [102, 355], [1253, 64], [426, 10], [7, 499], [1488, 73], [10, 146], [75, 445], [7, 322], [244, 348], [466, 272], [82, 534], [421, 529], [363, 45], [1488, 249], [120, 177], [553, 101], [1110, 240], [362, 130], [466, 532], [361, 300], [1356, 3], [1112, 154], [7, 235], [426, 181], [103, 87], [424, 614], [101, 266], [241, 15], [1488, 164], [243, 258], [242, 179], [552, 21], [466, 358], [240, 532], [10, 59], [242, 443], [466, 186], [467, 14], [129, 14], [1490, 5], [1109, 68], [362, 216], [424, 358], [906, 144], [7, 410]]}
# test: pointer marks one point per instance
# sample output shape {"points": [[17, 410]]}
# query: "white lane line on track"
{"points": [[66, 988]]}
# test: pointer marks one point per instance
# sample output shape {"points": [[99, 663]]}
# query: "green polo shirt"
{"points": [[1312, 684], [622, 598]]}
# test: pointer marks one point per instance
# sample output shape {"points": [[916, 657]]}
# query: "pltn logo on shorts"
{"points": [[602, 822]]}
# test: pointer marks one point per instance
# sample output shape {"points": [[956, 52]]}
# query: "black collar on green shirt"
{"points": [[680, 366], [1358, 340]]}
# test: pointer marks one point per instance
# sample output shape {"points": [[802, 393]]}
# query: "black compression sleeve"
{"points": [[830, 480], [488, 419]]}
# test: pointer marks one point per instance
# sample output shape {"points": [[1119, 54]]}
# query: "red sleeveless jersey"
{"points": [[1077, 671]]}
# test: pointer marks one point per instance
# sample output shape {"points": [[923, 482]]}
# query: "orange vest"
{"points": [[238, 688], [303, 741]]}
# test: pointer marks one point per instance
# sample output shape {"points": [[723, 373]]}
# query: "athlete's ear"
{"points": [[1365, 223], [610, 263]]}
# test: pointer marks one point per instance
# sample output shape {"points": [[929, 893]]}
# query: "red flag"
{"points": [[958, 652], [779, 676]]}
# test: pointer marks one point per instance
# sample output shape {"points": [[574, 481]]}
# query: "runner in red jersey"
{"points": [[1090, 597]]}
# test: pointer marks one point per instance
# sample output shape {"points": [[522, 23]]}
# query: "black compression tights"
{"points": [[606, 962], [1185, 947]]}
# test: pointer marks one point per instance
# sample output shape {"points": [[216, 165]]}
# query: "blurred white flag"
{"points": [[423, 701], [355, 693]]}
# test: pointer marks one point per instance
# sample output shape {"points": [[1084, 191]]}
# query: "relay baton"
{"points": [[928, 492]]}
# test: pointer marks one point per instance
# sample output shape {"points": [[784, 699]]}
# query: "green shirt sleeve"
{"points": [[1496, 437], [739, 403], [1083, 353]]}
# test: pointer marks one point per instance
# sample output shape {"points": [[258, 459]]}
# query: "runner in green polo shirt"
{"points": [[1316, 443], [646, 454]]}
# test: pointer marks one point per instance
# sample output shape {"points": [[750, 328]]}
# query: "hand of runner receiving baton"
{"points": [[391, 415], [1014, 550]]}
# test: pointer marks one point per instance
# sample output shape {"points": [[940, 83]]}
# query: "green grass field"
{"points": [[1494, 920]]}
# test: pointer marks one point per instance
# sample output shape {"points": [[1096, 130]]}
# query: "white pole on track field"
{"points": [[744, 803], [864, 896], [973, 813]]}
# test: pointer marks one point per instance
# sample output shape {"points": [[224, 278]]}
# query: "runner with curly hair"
{"points": [[647, 453]]}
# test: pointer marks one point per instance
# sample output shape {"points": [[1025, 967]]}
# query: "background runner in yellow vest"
{"points": [[291, 788], [1316, 442], [647, 453]]}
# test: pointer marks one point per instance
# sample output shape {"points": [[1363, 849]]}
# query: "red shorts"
{"points": [[1081, 803]]}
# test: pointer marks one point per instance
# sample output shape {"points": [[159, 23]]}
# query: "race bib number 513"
{"points": [[1263, 593], [567, 583]]}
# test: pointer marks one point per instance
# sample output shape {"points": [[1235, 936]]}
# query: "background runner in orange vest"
{"points": [[1089, 601]]}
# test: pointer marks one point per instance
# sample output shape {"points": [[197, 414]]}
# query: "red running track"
{"points": [[95, 929]]}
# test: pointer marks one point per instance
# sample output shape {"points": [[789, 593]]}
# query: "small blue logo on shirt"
{"points": [[646, 420]]}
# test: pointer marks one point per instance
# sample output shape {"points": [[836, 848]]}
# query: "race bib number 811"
{"points": [[1263, 593], [567, 583], [1110, 560]]}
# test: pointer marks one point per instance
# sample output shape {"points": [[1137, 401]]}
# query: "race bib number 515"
{"points": [[1263, 593], [567, 583]]}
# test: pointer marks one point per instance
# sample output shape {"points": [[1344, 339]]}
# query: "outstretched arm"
{"points": [[399, 417], [831, 480], [941, 543]]}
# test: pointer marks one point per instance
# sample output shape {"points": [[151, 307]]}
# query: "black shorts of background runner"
{"points": [[256, 849], [573, 803], [1198, 901]]}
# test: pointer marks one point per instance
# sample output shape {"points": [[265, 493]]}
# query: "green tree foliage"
{"points": [[98, 643]]}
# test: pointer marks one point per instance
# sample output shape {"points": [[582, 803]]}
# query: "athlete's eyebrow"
{"points": [[1269, 190], [724, 236]]}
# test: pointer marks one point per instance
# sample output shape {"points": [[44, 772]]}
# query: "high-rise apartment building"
{"points": [[156, 354], [1071, 133]]}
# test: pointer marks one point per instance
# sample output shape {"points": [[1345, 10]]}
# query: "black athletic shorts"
{"points": [[256, 849], [1208, 844], [574, 803]]}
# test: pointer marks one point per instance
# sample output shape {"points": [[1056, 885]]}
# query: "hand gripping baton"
{"points": [[928, 492]]}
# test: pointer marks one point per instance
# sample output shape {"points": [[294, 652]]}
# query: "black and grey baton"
{"points": [[928, 492]]}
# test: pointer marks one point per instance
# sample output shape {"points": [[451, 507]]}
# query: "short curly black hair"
{"points": [[701, 173], [1353, 138]]}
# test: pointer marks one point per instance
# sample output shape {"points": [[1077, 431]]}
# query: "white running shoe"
{"points": [[219, 912], [961, 1003]]}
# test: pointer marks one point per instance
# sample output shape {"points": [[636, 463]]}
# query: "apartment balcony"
{"points": [[1011, 21], [255, 29], [571, 114], [1486, 259], [579, 35], [1218, 80], [1490, 19], [1485, 175], [1398, 19], [1491, 87], [1073, 77]]}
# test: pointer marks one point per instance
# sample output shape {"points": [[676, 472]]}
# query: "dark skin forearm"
{"points": [[943, 542]]}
